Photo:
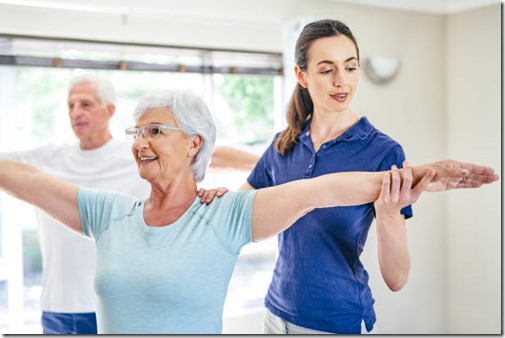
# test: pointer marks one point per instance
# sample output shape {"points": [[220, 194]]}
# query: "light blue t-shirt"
{"points": [[164, 280]]}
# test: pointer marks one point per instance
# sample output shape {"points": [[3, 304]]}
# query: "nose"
{"points": [[140, 142], [74, 111], [340, 78]]}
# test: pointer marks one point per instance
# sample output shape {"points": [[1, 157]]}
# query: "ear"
{"points": [[195, 143], [300, 76], [111, 109]]}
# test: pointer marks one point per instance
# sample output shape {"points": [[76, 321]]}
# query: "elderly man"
{"points": [[98, 161]]}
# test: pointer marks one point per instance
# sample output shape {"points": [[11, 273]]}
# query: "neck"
{"points": [[95, 142], [329, 126], [165, 206]]}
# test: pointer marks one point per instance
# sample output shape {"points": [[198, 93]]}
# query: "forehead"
{"points": [[82, 91], [334, 48], [157, 115]]}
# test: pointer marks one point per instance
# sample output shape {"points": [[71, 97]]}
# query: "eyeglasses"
{"points": [[150, 131]]}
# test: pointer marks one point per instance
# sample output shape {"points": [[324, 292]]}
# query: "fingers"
{"points": [[385, 192], [200, 192], [474, 175], [396, 183], [395, 191], [476, 181], [221, 191], [475, 169], [408, 178], [207, 196]]}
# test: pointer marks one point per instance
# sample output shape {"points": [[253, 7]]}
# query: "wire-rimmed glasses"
{"points": [[150, 131]]}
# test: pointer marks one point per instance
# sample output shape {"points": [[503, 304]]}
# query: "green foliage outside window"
{"points": [[251, 101], [242, 105]]}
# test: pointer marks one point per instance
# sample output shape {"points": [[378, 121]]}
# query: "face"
{"points": [[167, 156], [332, 73], [88, 117]]}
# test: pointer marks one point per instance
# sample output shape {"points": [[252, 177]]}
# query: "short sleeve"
{"points": [[97, 208], [260, 176], [233, 222]]}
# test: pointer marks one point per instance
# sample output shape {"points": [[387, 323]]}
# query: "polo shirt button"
{"points": [[324, 146]]}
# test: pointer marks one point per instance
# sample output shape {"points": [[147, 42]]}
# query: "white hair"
{"points": [[104, 89], [192, 116]]}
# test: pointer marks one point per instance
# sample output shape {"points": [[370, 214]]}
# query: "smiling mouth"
{"points": [[340, 97], [144, 160]]}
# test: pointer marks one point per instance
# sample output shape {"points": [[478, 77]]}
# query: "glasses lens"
{"points": [[151, 131], [132, 134]]}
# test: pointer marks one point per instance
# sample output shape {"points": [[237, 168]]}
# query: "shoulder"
{"points": [[122, 151], [235, 199], [227, 206], [105, 196], [376, 135]]}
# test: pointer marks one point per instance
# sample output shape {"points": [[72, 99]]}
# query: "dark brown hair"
{"points": [[301, 106]]}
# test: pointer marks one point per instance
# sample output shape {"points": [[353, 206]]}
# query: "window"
{"points": [[240, 88]]}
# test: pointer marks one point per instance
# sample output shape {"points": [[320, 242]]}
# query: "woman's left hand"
{"points": [[207, 196], [397, 191]]}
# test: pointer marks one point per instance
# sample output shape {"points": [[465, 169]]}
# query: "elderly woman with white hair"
{"points": [[164, 263]]}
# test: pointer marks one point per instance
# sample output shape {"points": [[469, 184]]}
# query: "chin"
{"points": [[143, 175]]}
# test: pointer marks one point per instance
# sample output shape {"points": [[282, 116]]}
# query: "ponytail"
{"points": [[299, 111]]}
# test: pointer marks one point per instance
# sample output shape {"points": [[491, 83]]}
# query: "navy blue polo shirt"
{"points": [[319, 281]]}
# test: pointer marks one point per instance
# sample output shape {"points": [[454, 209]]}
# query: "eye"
{"points": [[326, 71], [351, 67], [152, 131]]}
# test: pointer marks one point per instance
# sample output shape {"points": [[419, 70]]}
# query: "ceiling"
{"points": [[427, 6]]}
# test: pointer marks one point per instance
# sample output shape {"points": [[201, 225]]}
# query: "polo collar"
{"points": [[359, 131]]}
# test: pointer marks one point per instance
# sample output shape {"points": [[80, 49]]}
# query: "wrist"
{"points": [[389, 214], [418, 172]]}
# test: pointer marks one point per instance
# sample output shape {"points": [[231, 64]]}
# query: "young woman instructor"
{"points": [[319, 284]]}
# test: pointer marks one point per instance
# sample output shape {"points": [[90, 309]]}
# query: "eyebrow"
{"points": [[145, 124], [331, 62]]}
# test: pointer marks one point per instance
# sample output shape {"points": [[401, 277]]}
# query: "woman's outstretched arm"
{"points": [[276, 208], [56, 197]]}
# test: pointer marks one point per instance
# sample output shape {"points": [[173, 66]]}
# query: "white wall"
{"points": [[445, 103], [474, 124]]}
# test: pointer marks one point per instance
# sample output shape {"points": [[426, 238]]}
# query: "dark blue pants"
{"points": [[68, 323]]}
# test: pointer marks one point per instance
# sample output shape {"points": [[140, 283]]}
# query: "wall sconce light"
{"points": [[381, 69]]}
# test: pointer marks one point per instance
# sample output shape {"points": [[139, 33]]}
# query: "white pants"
{"points": [[275, 325]]}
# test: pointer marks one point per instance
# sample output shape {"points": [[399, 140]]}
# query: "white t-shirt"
{"points": [[68, 258]]}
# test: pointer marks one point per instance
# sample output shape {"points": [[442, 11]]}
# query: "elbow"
{"points": [[395, 287], [397, 279], [397, 284]]}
